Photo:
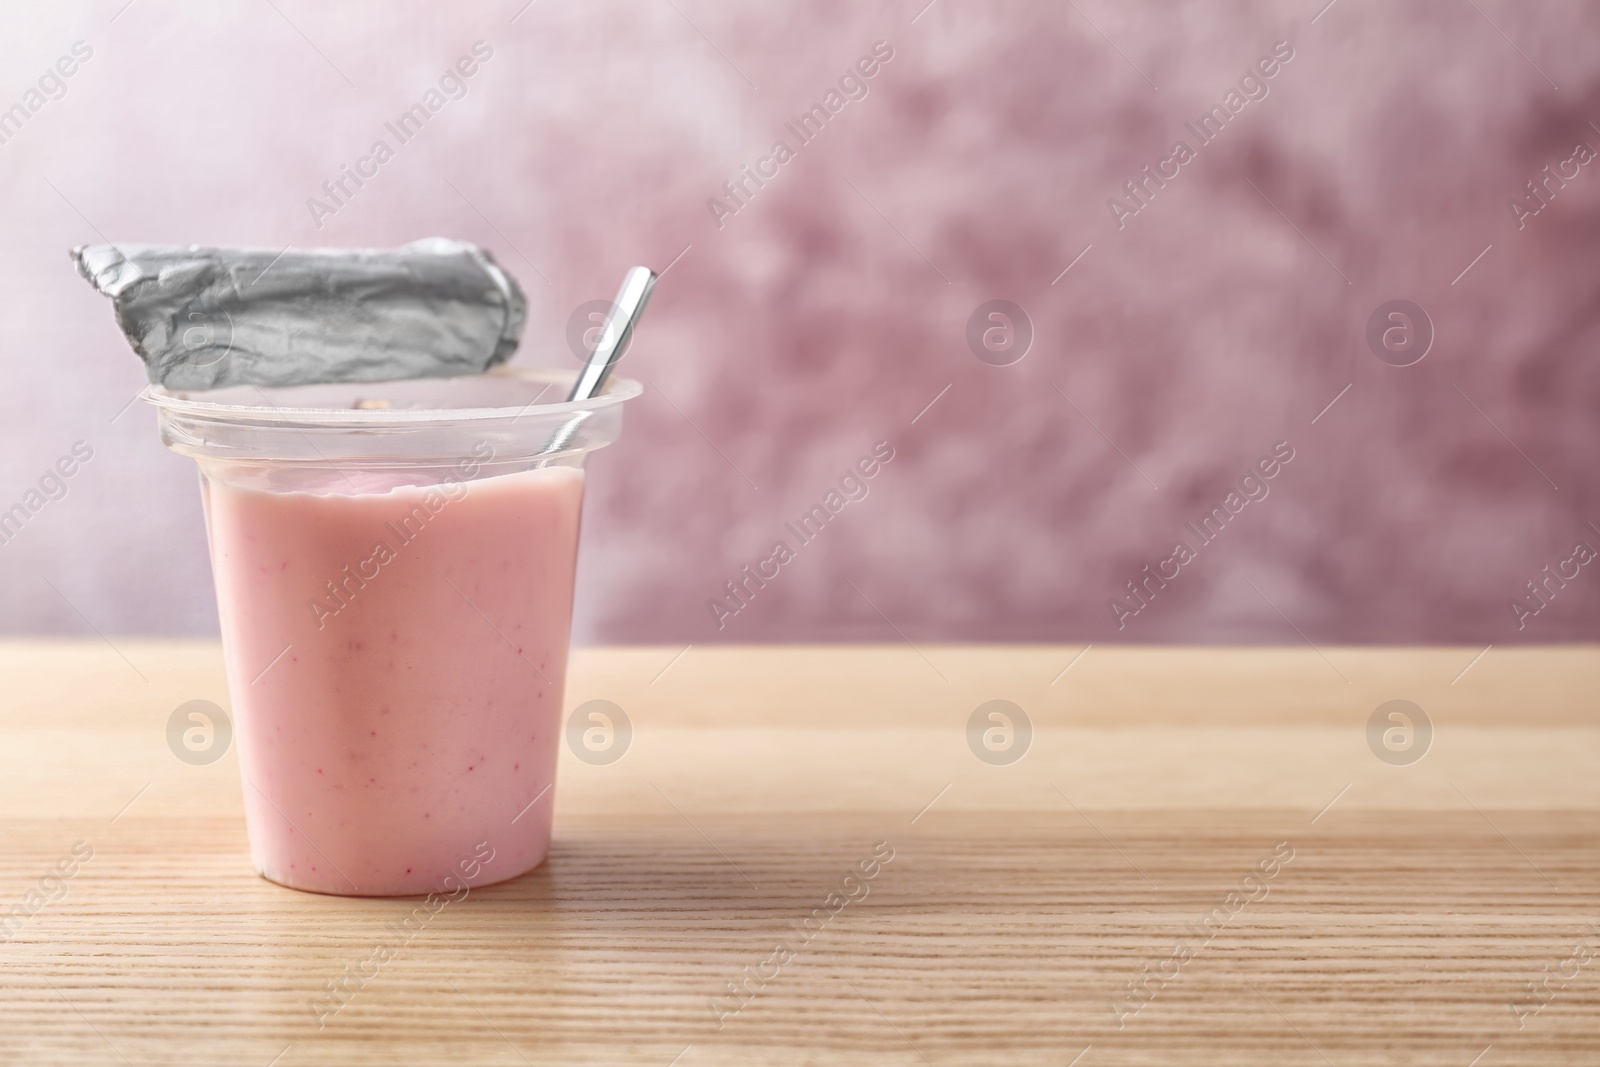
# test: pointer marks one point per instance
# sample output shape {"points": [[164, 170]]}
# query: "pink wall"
{"points": [[832, 308]]}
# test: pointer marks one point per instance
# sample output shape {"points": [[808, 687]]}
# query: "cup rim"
{"points": [[617, 390]]}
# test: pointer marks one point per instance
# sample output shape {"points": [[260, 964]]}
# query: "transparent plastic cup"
{"points": [[394, 568]]}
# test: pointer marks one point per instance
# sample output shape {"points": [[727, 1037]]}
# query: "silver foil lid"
{"points": [[202, 318]]}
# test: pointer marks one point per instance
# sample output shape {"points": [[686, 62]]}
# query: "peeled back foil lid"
{"points": [[203, 318]]}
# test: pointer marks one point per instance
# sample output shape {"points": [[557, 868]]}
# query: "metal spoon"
{"points": [[637, 285]]}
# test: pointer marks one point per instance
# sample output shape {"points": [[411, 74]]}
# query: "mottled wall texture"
{"points": [[1199, 215]]}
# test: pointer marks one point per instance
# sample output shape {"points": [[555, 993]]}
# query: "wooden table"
{"points": [[1069, 907]]}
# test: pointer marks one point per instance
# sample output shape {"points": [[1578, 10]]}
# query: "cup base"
{"points": [[483, 882]]}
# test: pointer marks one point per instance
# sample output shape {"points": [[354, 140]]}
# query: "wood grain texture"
{"points": [[1020, 904]]}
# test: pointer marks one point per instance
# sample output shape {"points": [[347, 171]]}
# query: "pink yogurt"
{"points": [[397, 657]]}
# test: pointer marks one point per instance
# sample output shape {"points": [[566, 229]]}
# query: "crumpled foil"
{"points": [[203, 318]]}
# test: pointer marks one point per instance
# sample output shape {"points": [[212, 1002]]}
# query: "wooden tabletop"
{"points": [[805, 855]]}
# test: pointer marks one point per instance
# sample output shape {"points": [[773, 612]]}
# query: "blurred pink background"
{"points": [[832, 309]]}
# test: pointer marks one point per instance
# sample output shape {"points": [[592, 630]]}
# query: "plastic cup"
{"points": [[394, 569]]}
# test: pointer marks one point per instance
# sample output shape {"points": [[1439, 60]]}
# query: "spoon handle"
{"points": [[637, 286]]}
